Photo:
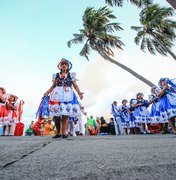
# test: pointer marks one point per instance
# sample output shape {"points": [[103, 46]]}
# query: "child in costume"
{"points": [[12, 112], [91, 126], [3, 109], [142, 115], [63, 103], [133, 125], [124, 115], [154, 100]]}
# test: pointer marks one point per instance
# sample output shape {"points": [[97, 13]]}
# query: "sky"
{"points": [[33, 37]]}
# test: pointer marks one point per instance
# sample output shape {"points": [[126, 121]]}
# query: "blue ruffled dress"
{"points": [[124, 115], [62, 101], [141, 113], [167, 104]]}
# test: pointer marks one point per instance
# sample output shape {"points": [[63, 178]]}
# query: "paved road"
{"points": [[102, 157]]}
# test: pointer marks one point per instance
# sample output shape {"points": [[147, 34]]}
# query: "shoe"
{"points": [[57, 136], [64, 136]]}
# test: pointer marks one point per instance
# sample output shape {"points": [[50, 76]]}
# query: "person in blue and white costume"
{"points": [[167, 96], [63, 103], [155, 113], [134, 127], [124, 115], [142, 114], [117, 120]]}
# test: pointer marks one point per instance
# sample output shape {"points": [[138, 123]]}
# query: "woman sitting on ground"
{"points": [[104, 127]]}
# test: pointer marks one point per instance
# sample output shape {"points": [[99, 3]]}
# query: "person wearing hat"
{"points": [[133, 126], [167, 101], [63, 103], [124, 115], [3, 109], [117, 120], [142, 114], [12, 113]]}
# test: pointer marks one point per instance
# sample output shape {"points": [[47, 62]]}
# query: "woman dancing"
{"points": [[167, 101], [63, 103]]}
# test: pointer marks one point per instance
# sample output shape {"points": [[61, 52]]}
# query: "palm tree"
{"points": [[139, 3], [157, 32], [98, 36]]}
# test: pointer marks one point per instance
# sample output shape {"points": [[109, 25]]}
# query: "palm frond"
{"points": [[159, 48], [139, 37], [113, 27], [150, 46], [79, 38], [143, 44], [85, 50], [136, 28], [114, 2]]}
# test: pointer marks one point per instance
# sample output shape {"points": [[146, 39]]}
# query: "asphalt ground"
{"points": [[133, 157]]}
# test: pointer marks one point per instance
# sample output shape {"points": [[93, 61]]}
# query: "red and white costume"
{"points": [[3, 109], [12, 111]]}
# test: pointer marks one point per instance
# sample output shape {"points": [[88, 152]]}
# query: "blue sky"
{"points": [[33, 36]]}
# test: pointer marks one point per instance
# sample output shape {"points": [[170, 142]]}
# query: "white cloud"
{"points": [[105, 82]]}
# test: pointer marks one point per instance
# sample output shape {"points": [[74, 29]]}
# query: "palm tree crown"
{"points": [[157, 32], [98, 32], [138, 3], [98, 36]]}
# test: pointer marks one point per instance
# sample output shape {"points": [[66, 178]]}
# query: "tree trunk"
{"points": [[172, 3], [138, 76]]}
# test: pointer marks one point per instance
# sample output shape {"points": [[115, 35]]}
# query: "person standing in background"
{"points": [[117, 120]]}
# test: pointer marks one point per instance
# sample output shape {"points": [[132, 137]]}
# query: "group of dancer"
{"points": [[8, 111], [61, 103], [139, 119]]}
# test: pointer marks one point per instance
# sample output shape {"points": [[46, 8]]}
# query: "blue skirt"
{"points": [[167, 108], [132, 122], [125, 119], [142, 115], [155, 114]]}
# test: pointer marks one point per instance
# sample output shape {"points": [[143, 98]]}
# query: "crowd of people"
{"points": [[46, 127], [61, 103], [136, 118], [60, 112], [10, 112]]}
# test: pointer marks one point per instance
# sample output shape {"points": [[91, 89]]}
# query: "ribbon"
{"points": [[20, 110]]}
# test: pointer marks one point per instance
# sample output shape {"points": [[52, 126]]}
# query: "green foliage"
{"points": [[98, 32], [138, 3], [157, 31]]}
